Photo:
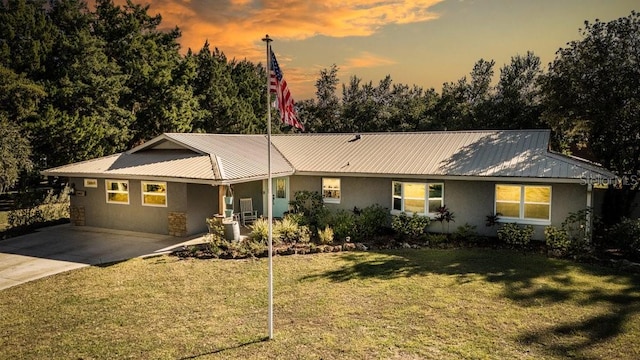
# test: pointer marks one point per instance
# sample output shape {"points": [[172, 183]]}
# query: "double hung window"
{"points": [[419, 198], [117, 191], [331, 190], [154, 193], [523, 202]]}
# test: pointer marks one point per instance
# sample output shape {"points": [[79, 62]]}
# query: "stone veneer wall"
{"points": [[76, 215], [177, 224]]}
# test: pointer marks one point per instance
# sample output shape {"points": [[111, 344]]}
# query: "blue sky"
{"points": [[421, 42]]}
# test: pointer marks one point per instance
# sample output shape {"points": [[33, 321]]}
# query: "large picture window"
{"points": [[331, 190], [117, 191], [154, 193], [420, 198], [524, 202]]}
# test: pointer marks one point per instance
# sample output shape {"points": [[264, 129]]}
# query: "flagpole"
{"points": [[269, 188]]}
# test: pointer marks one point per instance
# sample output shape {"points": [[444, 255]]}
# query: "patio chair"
{"points": [[247, 214]]}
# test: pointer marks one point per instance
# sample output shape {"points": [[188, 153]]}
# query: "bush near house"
{"points": [[573, 237], [515, 235], [325, 237], [626, 236], [343, 224], [364, 229], [467, 234], [371, 221], [357, 225], [557, 241], [411, 228], [443, 214]]}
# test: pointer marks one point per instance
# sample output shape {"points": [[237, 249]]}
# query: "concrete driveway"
{"points": [[64, 247]]}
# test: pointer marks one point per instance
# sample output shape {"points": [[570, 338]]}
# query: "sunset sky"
{"points": [[422, 42]]}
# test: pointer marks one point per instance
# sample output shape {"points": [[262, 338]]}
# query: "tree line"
{"points": [[78, 83]]}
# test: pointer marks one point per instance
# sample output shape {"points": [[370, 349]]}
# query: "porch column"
{"points": [[222, 189], [588, 224]]}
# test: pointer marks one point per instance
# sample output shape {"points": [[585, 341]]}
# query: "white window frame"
{"points": [[332, 200], [143, 192], [521, 219], [426, 197], [109, 191]]}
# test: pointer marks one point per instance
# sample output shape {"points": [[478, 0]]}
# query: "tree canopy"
{"points": [[79, 82]]}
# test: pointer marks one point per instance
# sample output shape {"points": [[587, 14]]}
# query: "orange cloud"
{"points": [[237, 26], [367, 60]]}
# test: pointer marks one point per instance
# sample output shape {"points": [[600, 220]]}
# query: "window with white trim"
{"points": [[117, 191], [523, 202], [331, 190], [421, 198], [154, 193]]}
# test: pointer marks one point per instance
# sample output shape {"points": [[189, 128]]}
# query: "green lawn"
{"points": [[411, 304]]}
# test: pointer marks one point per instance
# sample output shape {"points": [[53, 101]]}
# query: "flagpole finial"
{"points": [[267, 39]]}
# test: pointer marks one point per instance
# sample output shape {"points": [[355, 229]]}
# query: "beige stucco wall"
{"points": [[471, 201], [197, 201], [355, 191], [202, 203], [251, 190]]}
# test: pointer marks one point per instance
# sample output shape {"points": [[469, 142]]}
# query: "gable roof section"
{"points": [[508, 153], [204, 158]]}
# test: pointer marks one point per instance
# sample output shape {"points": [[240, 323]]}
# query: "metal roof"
{"points": [[224, 158], [208, 158], [503, 153]]}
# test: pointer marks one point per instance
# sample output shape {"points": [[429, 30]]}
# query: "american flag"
{"points": [[285, 103]]}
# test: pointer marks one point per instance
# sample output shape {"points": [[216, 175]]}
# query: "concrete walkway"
{"points": [[62, 248]]}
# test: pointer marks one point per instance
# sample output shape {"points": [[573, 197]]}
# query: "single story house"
{"points": [[171, 183]]}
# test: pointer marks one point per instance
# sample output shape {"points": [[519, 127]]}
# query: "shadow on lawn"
{"points": [[518, 273], [218, 351]]}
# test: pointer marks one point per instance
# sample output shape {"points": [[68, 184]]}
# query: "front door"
{"points": [[280, 196]]}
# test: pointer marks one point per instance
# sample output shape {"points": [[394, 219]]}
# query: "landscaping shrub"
{"points": [[466, 233], [573, 236], [370, 221], [410, 227], [215, 237], [437, 239], [513, 234], [343, 224], [256, 248], [444, 215], [575, 225], [557, 240], [287, 230], [306, 202], [492, 219], [309, 210], [297, 218], [260, 231], [625, 235], [238, 249], [360, 224], [325, 236]]}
